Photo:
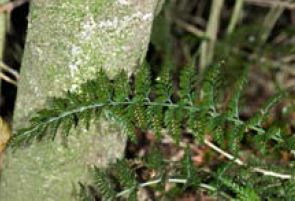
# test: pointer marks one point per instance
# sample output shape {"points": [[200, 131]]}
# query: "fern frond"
{"points": [[218, 136], [243, 193], [261, 140], [233, 105], [45, 119], [137, 112], [126, 178], [289, 190], [290, 143], [121, 87], [173, 123], [104, 184], [197, 122], [208, 87], [103, 88], [86, 117], [187, 84], [259, 117], [54, 129], [216, 128], [121, 116], [234, 136], [189, 170], [143, 82], [164, 87], [84, 194], [125, 174], [271, 102], [155, 116], [136, 109], [154, 161]]}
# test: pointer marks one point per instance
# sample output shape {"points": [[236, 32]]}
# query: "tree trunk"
{"points": [[68, 42]]}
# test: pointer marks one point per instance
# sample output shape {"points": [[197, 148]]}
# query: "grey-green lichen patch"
{"points": [[68, 42], [49, 171]]}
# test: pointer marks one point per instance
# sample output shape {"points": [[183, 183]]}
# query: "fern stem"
{"points": [[99, 105], [150, 183], [122, 193], [177, 181], [111, 103], [219, 150], [170, 180], [264, 172], [142, 185], [271, 173], [259, 130], [239, 122], [63, 115]]}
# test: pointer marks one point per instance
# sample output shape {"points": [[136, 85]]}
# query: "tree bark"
{"points": [[68, 42]]}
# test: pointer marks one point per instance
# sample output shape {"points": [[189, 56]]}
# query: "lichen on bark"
{"points": [[68, 42]]}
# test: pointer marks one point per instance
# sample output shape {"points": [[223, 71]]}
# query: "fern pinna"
{"points": [[158, 105]]}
